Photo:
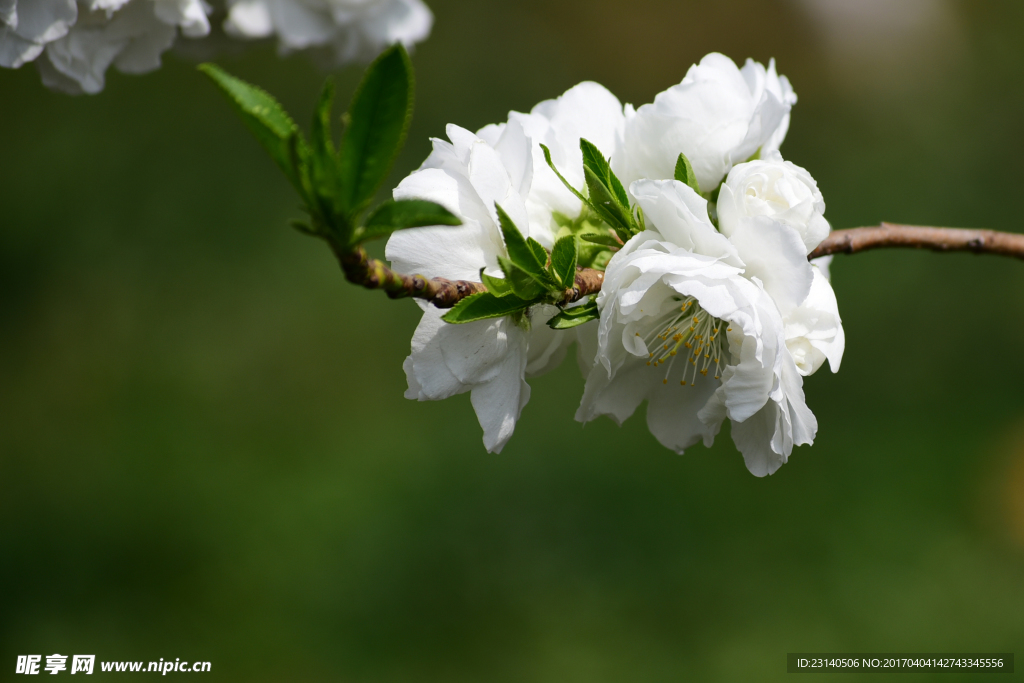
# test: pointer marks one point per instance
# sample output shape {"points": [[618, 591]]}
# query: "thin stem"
{"points": [[374, 274], [854, 240]]}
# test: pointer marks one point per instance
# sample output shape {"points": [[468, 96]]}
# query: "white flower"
{"points": [[814, 331], [777, 189], [588, 111], [693, 322], [354, 29], [488, 358], [719, 115], [128, 34], [26, 26]]}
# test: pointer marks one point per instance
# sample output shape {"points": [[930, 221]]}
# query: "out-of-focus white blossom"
{"points": [[355, 30], [26, 26], [75, 43], [718, 116]]}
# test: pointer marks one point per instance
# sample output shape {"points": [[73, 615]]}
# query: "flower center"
{"points": [[691, 334]]}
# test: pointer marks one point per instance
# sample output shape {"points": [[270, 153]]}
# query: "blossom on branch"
{"points": [[694, 322], [488, 358], [718, 116]]}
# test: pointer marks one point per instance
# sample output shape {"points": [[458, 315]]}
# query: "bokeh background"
{"points": [[205, 453]]}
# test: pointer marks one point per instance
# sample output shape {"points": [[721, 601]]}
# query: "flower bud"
{"points": [[778, 189]]}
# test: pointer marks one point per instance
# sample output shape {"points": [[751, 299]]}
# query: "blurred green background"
{"points": [[205, 452]]}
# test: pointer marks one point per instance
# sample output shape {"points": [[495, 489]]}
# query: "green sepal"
{"points": [[525, 285], [401, 214], [573, 317], [684, 173], [563, 261], [263, 116], [378, 120], [495, 285], [482, 306]]}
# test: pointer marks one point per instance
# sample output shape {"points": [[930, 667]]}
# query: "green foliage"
{"points": [[267, 120], [684, 173], [337, 185], [404, 213], [378, 121], [521, 252], [602, 238], [608, 198], [573, 317], [482, 306], [563, 261]]}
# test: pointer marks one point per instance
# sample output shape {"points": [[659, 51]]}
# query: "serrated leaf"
{"points": [[495, 285], [401, 214], [684, 173], [603, 201], [263, 116], [525, 285], [482, 306], [604, 239], [539, 252], [320, 134], [378, 122], [563, 261], [573, 317], [519, 250], [595, 161]]}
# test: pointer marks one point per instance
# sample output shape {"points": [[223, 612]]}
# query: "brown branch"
{"points": [[855, 240], [374, 274]]}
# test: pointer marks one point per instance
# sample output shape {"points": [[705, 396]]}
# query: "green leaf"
{"points": [[267, 120], [572, 317], [539, 252], [519, 250], [606, 205], [495, 285], [325, 173], [378, 122], [399, 215], [595, 161], [525, 285], [482, 306], [547, 157], [685, 174], [320, 134], [563, 261], [605, 239]]}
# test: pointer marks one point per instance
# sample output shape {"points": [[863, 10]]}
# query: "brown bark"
{"points": [[374, 274], [854, 240]]}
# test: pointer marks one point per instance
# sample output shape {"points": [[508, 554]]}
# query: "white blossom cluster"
{"points": [[713, 311], [74, 42]]}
